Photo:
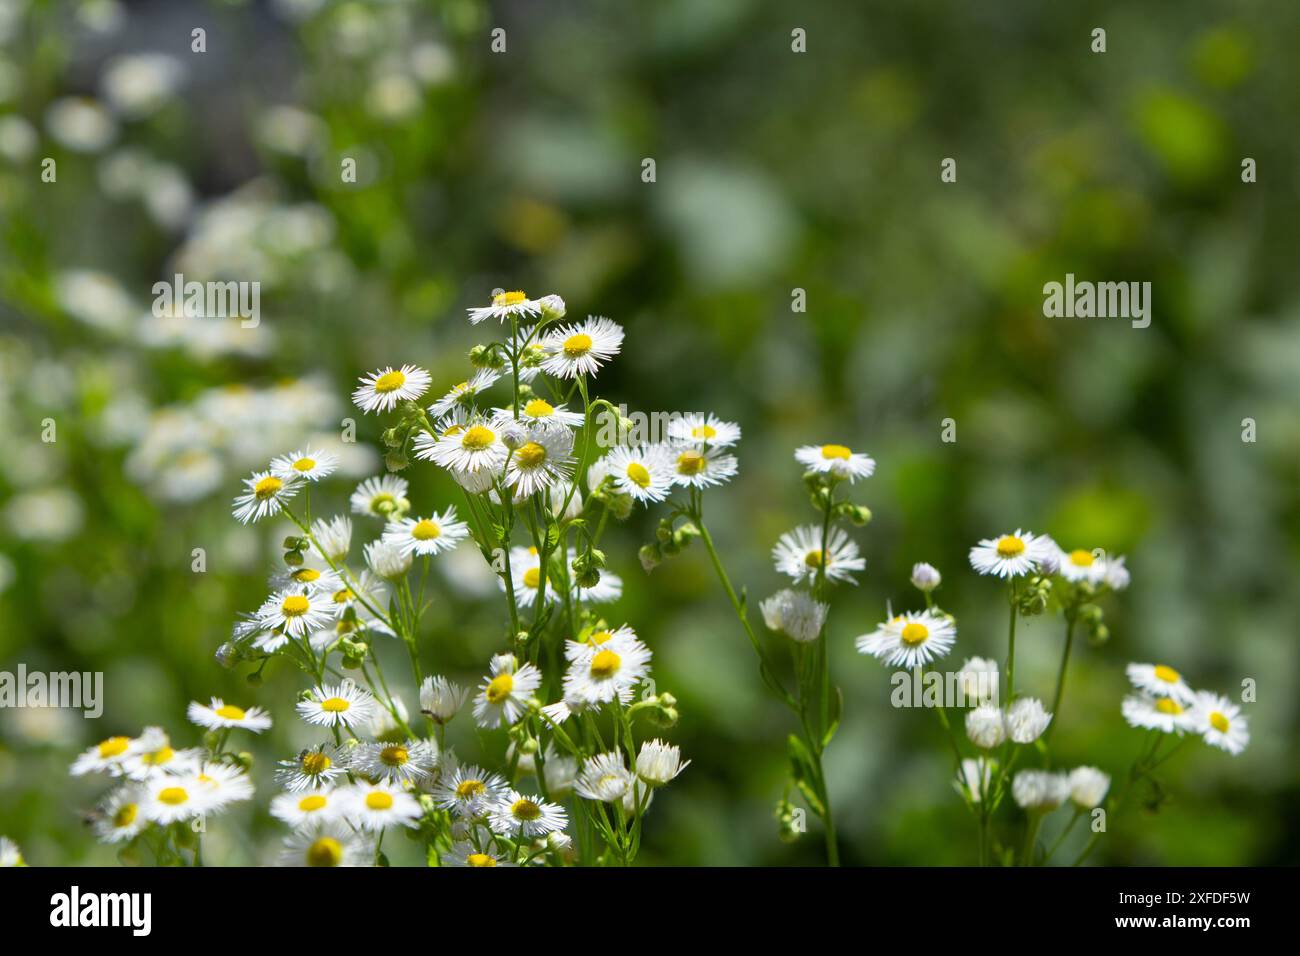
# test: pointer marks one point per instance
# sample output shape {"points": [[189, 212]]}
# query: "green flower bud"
{"points": [[293, 558], [396, 461]]}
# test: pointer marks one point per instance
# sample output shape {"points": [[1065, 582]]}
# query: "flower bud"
{"points": [[649, 556], [925, 577], [396, 461]]}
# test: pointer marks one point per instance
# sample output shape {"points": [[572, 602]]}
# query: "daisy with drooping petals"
{"points": [[332, 843], [338, 705], [333, 536], [516, 815], [503, 695], [1026, 720], [441, 699], [219, 716], [601, 673], [297, 613], [306, 809], [469, 791], [699, 466], [658, 763], [1159, 680], [307, 578], [604, 777], [265, 496], [504, 305], [463, 394], [396, 762], [543, 461], [466, 854], [107, 756], [643, 472], [696, 429], [801, 554], [310, 465], [1011, 555], [1040, 789], [911, 640], [167, 799], [311, 770], [380, 497], [795, 614], [836, 460], [424, 536], [538, 411], [381, 391], [1164, 714], [373, 806], [118, 817], [1220, 722], [1088, 787], [582, 348]]}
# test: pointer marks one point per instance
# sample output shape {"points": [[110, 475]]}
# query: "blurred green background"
{"points": [[775, 171]]}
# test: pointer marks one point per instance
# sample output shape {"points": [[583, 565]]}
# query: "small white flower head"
{"points": [[837, 461], [107, 756], [644, 472], [118, 818], [332, 843], [333, 536], [474, 449], [974, 778], [1026, 720], [1165, 714], [219, 715], [526, 576], [504, 694], [387, 559], [1011, 555], [265, 495], [309, 465], [1117, 576], [469, 791], [695, 429], [604, 670], [516, 815], [463, 394], [911, 639], [381, 391], [306, 809], [297, 612], [466, 854], [382, 497], [398, 762], [985, 727], [441, 699], [978, 679], [313, 769], [1158, 680], [168, 798], [10, 855], [700, 466], [538, 411], [925, 577], [543, 461], [152, 756], [1220, 722], [1080, 566], [507, 304], [426, 536], [338, 705], [1039, 789], [795, 614], [225, 784], [307, 578], [1049, 558], [373, 806], [658, 762], [582, 348], [604, 777], [553, 307], [801, 554], [1088, 787], [513, 433]]}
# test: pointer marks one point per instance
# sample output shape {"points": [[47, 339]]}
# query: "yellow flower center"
{"points": [[539, 408], [315, 763], [813, 558], [533, 577], [230, 712], [1009, 546], [1167, 705], [469, 789], [525, 809], [576, 346], [499, 688], [173, 796], [295, 605], [690, 462], [267, 487], [334, 705], [114, 747], [389, 382], [379, 800], [394, 756], [480, 859], [304, 464], [314, 802], [637, 474], [605, 664], [1081, 558], [341, 597], [159, 757], [530, 455], [426, 530], [452, 430], [599, 637], [508, 298], [1219, 722], [704, 431], [306, 575], [836, 451], [1167, 674], [126, 814], [914, 633], [326, 851], [477, 438]]}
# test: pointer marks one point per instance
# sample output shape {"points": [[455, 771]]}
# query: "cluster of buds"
{"points": [[1094, 619], [668, 543], [659, 709], [411, 421], [586, 567], [1035, 596]]}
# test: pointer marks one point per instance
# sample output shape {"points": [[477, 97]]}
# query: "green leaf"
{"points": [[836, 713]]}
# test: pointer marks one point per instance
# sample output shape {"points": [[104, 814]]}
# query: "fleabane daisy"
{"points": [[604, 777], [1165, 714], [441, 699], [333, 536], [168, 798], [107, 756], [503, 696], [1088, 787], [307, 578], [310, 465], [396, 762], [526, 577], [118, 818], [381, 497], [517, 815], [426, 536], [331, 843], [978, 680], [1082, 567], [1159, 680], [152, 755], [801, 554], [306, 809], [696, 429], [658, 763], [338, 705], [381, 391], [297, 612], [265, 496], [910, 640], [469, 791], [542, 461], [462, 394], [538, 411], [1040, 789], [582, 348], [1012, 555], [603, 672], [386, 558], [795, 614], [505, 305], [218, 715], [1026, 720], [699, 466], [839, 461], [473, 453], [974, 777], [1219, 721], [223, 784], [466, 854], [373, 806], [312, 769], [643, 473]]}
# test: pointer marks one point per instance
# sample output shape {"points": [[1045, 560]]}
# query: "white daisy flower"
{"points": [[466, 854], [696, 429], [297, 613], [473, 451], [373, 806], [265, 496], [658, 762], [1117, 576], [538, 411], [503, 696], [974, 777], [1165, 714], [152, 756], [604, 777], [311, 465], [331, 843], [1081, 566], [597, 640], [338, 705], [307, 578], [224, 784], [1011, 555], [925, 577], [312, 769], [219, 715], [118, 817], [432, 535], [581, 349], [386, 558], [1039, 789], [1088, 787], [306, 809], [504, 305], [516, 815], [697, 466], [910, 640], [408, 760], [333, 536], [801, 554], [601, 673], [1026, 720], [985, 726], [543, 461], [469, 791], [795, 614], [381, 391], [107, 756], [835, 460], [531, 354], [463, 394], [10, 855], [381, 497], [168, 798], [978, 679], [1160, 681], [1220, 722], [441, 699], [644, 472]]}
